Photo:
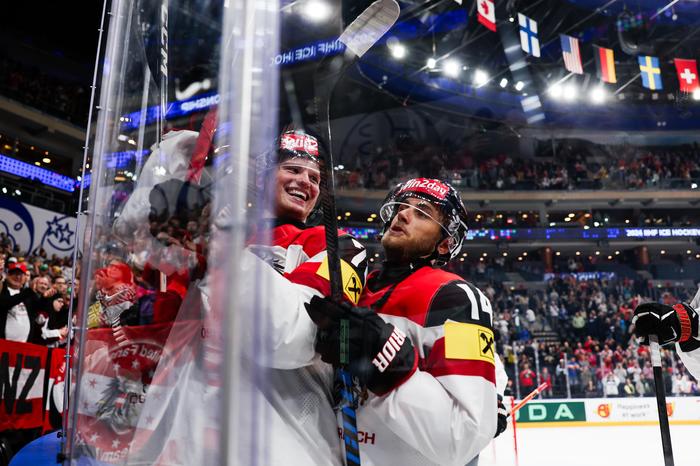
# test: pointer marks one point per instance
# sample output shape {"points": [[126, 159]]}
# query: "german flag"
{"points": [[605, 62]]}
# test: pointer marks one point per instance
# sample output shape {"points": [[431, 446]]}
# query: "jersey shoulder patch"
{"points": [[468, 341]]}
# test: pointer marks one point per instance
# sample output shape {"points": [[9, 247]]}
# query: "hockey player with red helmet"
{"points": [[296, 386], [421, 341]]}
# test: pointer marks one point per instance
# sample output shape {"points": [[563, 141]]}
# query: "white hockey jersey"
{"points": [[692, 359]]}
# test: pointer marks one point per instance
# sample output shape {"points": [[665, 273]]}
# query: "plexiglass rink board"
{"points": [[162, 270]]}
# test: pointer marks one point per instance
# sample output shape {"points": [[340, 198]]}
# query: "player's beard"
{"points": [[405, 250]]}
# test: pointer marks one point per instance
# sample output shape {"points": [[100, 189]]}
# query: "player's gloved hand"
{"points": [[176, 198], [381, 356], [671, 324], [502, 418]]}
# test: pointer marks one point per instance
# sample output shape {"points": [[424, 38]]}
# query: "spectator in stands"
{"points": [[612, 385], [61, 286], [18, 306], [528, 379], [629, 389], [54, 326], [546, 377]]}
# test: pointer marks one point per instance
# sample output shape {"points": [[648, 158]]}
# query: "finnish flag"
{"points": [[529, 40]]}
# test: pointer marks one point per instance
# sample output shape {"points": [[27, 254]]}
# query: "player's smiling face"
{"points": [[297, 188]]}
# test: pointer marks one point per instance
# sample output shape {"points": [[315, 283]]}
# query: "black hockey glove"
{"points": [[380, 355], [672, 324], [174, 198], [502, 418]]}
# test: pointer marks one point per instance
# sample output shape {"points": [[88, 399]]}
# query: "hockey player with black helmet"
{"points": [[421, 340]]}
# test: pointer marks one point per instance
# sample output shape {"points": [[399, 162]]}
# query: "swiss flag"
{"points": [[487, 13], [687, 74]]}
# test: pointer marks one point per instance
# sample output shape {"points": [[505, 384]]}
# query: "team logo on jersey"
{"points": [[469, 341]]}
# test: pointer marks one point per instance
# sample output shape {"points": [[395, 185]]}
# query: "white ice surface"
{"points": [[593, 446]]}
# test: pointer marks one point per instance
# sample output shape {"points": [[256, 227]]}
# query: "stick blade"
{"points": [[370, 26]]}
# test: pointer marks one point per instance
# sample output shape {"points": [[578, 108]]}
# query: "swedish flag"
{"points": [[651, 73]]}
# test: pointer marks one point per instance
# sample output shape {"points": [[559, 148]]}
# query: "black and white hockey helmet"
{"points": [[443, 196]]}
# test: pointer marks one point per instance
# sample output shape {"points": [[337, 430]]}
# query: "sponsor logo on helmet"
{"points": [[427, 186], [298, 142]]}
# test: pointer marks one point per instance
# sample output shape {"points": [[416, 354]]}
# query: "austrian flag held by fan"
{"points": [[487, 13], [687, 74]]}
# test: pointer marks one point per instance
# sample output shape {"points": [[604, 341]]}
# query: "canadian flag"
{"points": [[687, 74], [487, 13]]}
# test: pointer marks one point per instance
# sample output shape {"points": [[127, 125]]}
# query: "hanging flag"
{"points": [[687, 74], [572, 56], [605, 63], [651, 73], [487, 13], [529, 40]]}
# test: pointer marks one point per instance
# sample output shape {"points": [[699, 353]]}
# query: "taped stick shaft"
{"points": [[532, 394], [661, 400]]}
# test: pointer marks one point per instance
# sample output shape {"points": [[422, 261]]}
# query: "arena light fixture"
{"points": [[398, 51], [696, 94], [555, 91], [451, 68], [46, 160], [598, 95], [503, 83], [431, 63], [481, 77], [316, 10], [569, 92], [519, 86]]}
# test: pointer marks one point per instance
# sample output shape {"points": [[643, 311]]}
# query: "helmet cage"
{"points": [[453, 225]]}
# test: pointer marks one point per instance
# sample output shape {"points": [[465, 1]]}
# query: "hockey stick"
{"points": [[532, 394], [661, 400], [358, 37]]}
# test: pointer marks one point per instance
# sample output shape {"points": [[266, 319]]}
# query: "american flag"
{"points": [[572, 56]]}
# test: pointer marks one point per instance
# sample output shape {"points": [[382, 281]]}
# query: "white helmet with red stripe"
{"points": [[443, 196]]}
